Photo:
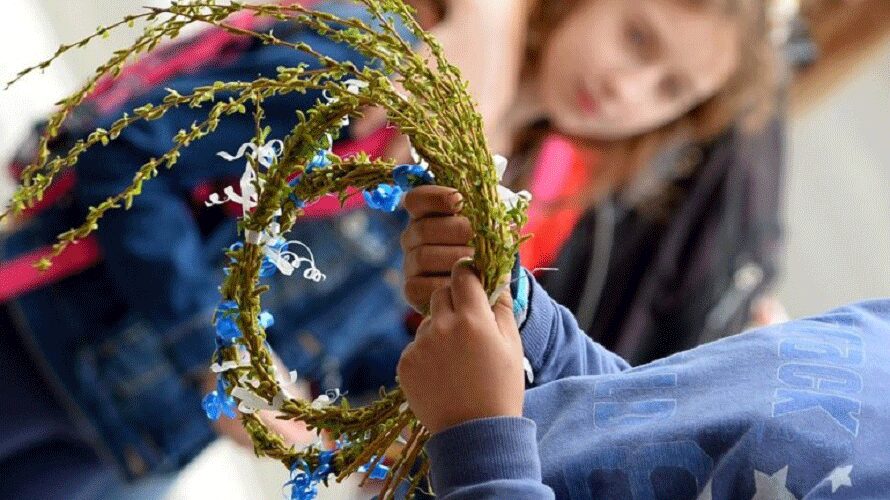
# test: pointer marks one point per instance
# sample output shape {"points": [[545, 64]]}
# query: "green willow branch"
{"points": [[435, 111]]}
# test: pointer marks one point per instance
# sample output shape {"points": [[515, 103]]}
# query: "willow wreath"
{"points": [[425, 98]]}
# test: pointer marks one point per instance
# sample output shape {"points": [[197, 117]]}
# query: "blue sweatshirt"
{"points": [[792, 411]]}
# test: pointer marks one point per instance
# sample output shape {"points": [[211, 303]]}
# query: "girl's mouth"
{"points": [[586, 101]]}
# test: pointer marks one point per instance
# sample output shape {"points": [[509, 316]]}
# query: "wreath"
{"points": [[425, 98]]}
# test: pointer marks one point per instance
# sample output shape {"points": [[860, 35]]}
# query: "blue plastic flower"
{"points": [[385, 197], [218, 403], [267, 268], [380, 471], [226, 318], [409, 176], [320, 160], [304, 479]]}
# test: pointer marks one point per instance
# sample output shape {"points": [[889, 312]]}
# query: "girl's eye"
{"points": [[671, 86], [639, 39]]}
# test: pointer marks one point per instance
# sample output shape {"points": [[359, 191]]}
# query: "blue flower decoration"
{"points": [[320, 160], [226, 318], [267, 268], [218, 403], [409, 176], [296, 201], [305, 480], [380, 471], [385, 197]]}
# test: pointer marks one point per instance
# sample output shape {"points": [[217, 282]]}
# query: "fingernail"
{"points": [[467, 262], [456, 200]]}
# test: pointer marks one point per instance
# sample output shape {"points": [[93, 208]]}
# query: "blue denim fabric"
{"points": [[127, 339]]}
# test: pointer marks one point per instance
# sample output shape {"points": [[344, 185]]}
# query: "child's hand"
{"points": [[466, 361], [435, 239]]}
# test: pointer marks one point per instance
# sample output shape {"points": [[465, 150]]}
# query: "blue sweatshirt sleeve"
{"points": [[498, 458], [554, 344], [487, 459], [797, 410]]}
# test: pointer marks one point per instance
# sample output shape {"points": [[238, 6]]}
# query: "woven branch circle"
{"points": [[430, 104]]}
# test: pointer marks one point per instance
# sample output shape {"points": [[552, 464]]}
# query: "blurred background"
{"points": [[836, 201], [837, 192]]}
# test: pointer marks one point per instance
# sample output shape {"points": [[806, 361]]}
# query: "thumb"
{"points": [[503, 313]]}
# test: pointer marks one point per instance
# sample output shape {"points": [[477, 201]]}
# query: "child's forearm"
{"points": [[554, 344]]}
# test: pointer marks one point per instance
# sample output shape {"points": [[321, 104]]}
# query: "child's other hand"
{"points": [[466, 362], [435, 239]]}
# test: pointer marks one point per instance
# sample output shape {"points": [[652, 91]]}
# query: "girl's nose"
{"points": [[632, 86]]}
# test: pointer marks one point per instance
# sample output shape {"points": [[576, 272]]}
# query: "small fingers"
{"points": [[453, 230], [440, 302], [424, 201], [430, 260], [503, 313], [466, 288], [419, 289]]}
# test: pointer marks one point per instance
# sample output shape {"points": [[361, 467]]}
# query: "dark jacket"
{"points": [[646, 286]]}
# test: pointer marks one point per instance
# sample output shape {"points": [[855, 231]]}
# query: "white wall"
{"points": [[26, 39], [34, 31], [838, 195]]}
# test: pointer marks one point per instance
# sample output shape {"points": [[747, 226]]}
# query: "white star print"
{"points": [[772, 487], [840, 477]]}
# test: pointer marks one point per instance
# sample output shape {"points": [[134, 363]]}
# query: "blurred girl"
{"points": [[648, 133]]}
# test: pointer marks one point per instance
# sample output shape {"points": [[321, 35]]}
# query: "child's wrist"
{"points": [[484, 450]]}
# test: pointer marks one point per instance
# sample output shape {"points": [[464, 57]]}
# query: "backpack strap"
{"points": [[560, 175], [19, 276]]}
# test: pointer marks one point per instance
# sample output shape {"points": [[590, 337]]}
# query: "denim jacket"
{"points": [[127, 339]]}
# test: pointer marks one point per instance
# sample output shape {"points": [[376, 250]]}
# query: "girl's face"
{"points": [[618, 68]]}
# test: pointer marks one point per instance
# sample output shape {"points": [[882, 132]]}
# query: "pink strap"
{"points": [[374, 145], [552, 169], [19, 276]]}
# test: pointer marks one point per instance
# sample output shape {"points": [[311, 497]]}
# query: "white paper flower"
{"points": [[265, 155], [288, 261], [508, 197], [326, 399]]}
